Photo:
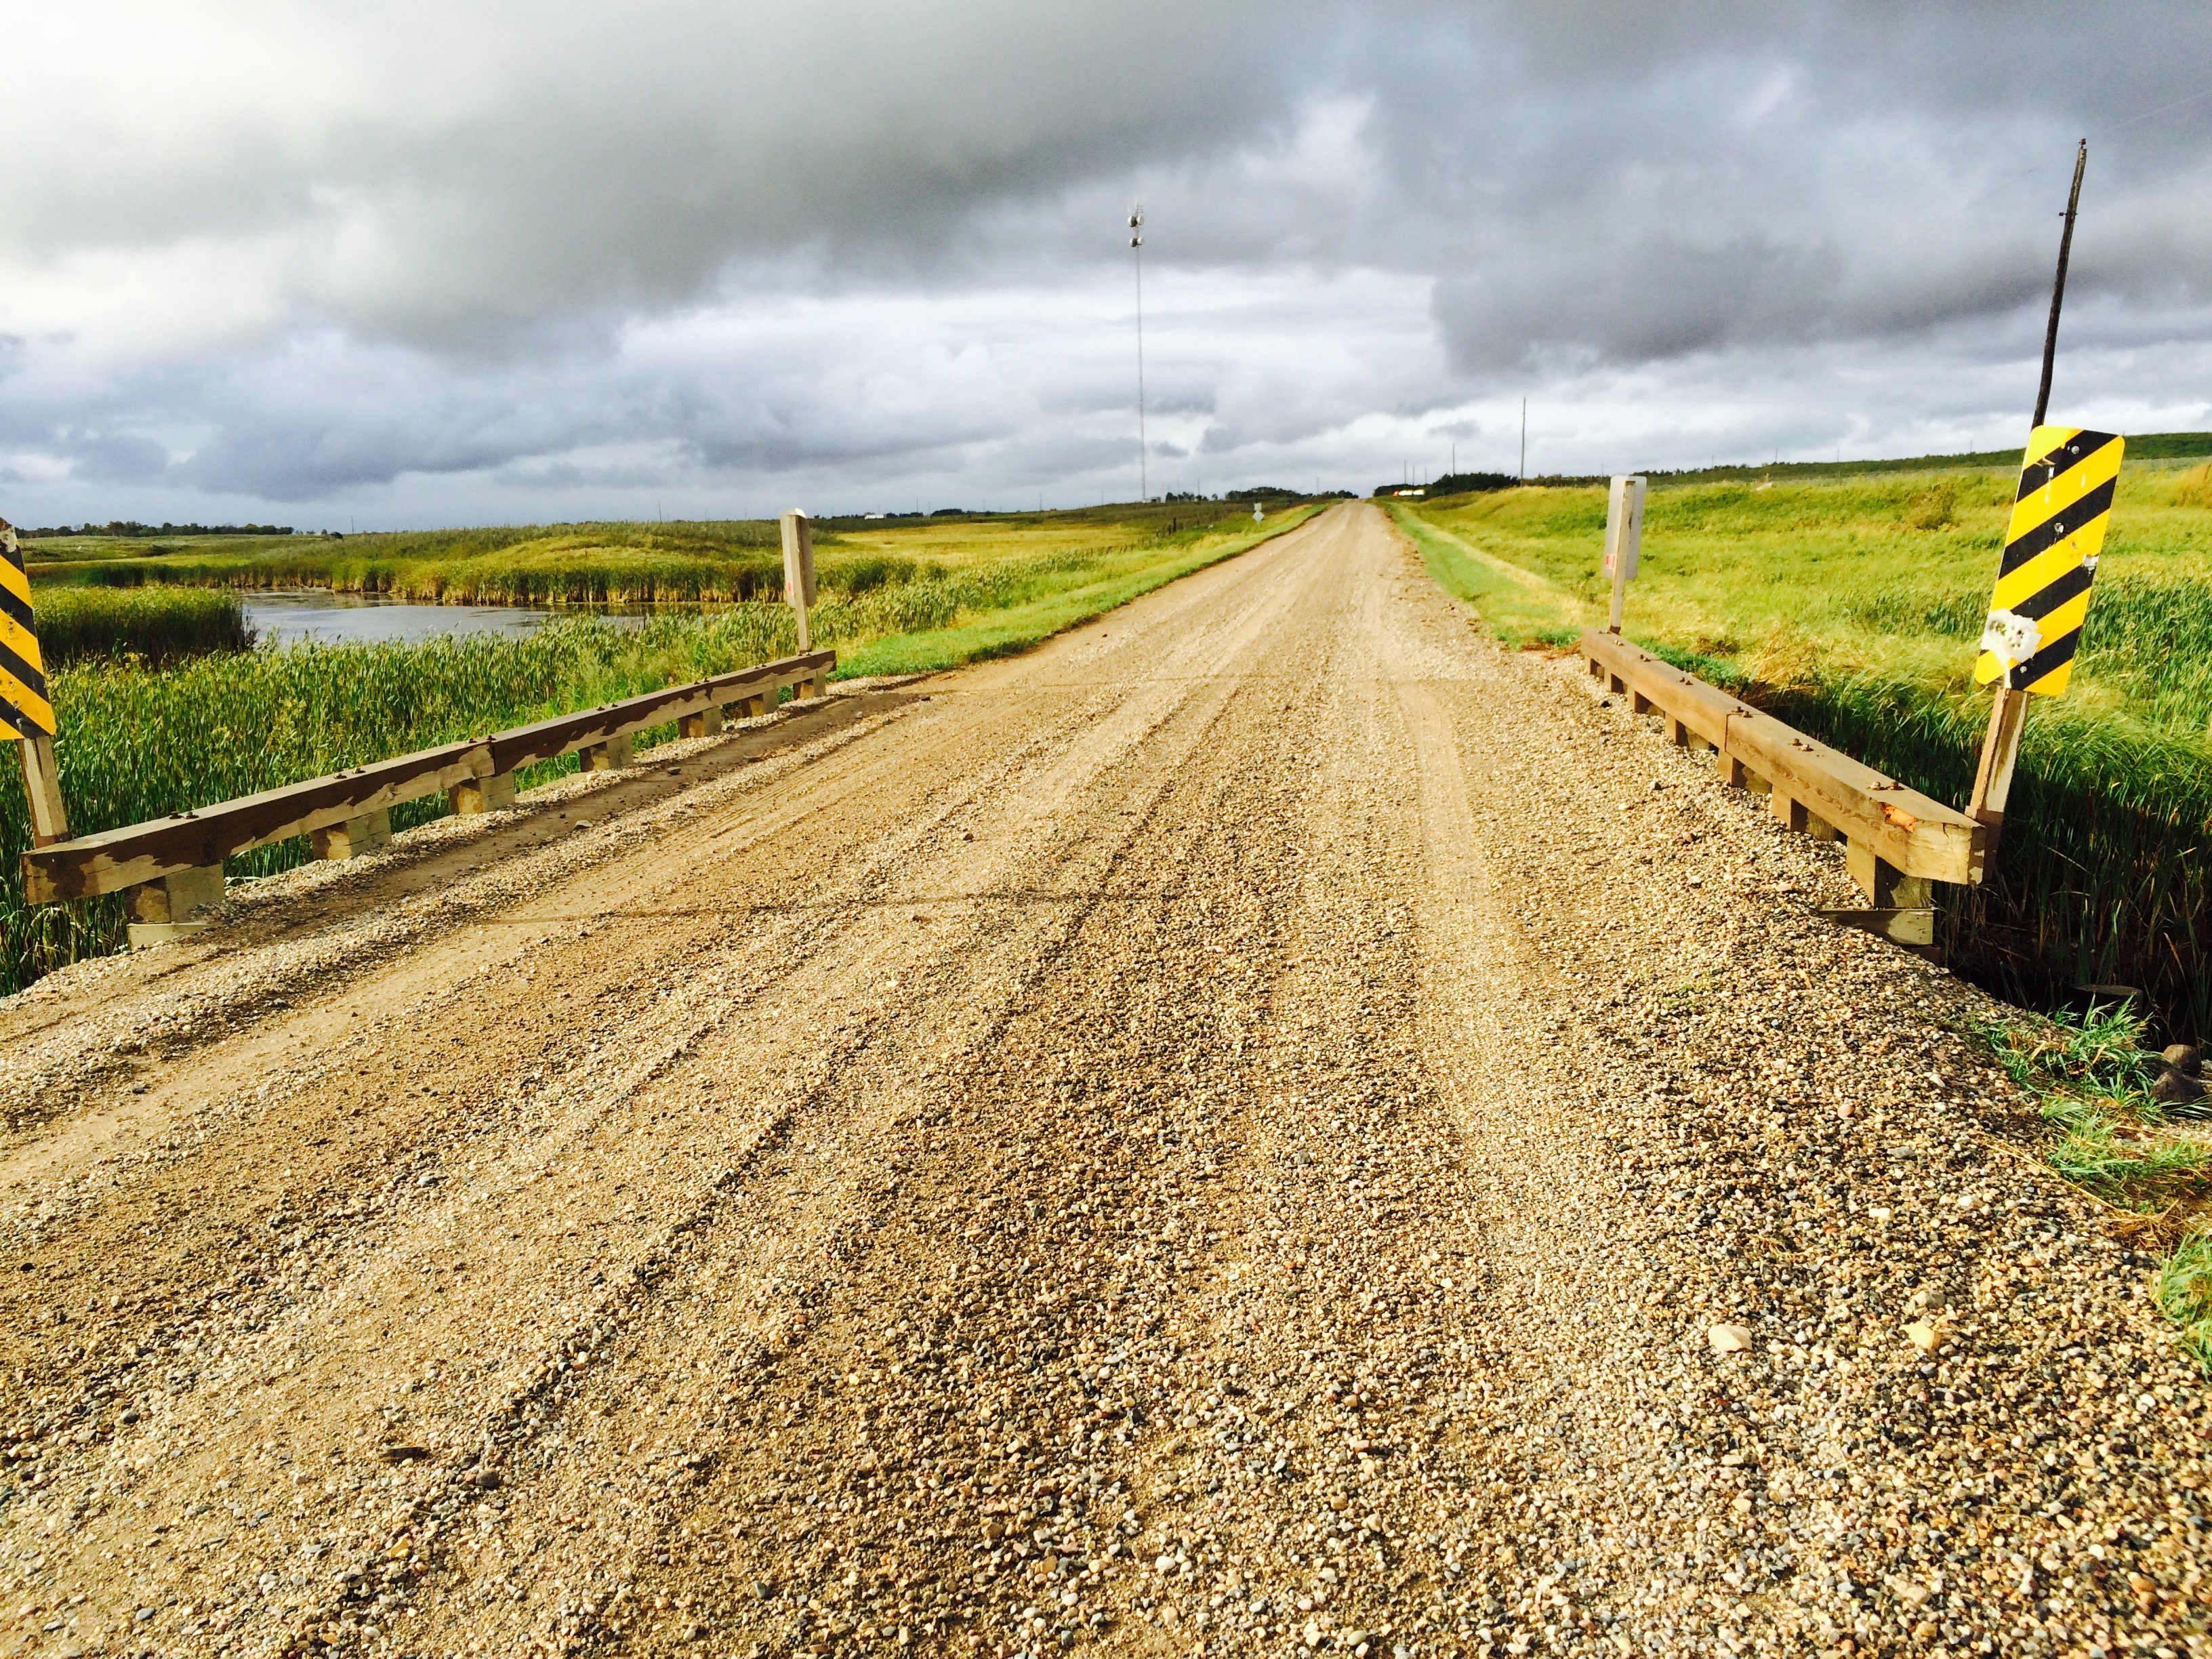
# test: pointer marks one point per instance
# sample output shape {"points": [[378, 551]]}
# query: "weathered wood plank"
{"points": [[356, 837], [1914, 925], [479, 795], [567, 732], [1921, 836], [1888, 886], [1822, 790], [116, 859], [175, 898], [615, 755], [113, 860]]}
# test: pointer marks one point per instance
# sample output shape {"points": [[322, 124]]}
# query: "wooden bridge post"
{"points": [[1623, 539], [42, 785], [615, 755], [493, 794], [355, 837], [798, 572]]}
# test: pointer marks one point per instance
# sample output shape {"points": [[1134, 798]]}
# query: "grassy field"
{"points": [[724, 562], [140, 738], [1851, 606]]}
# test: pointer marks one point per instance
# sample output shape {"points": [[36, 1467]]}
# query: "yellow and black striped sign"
{"points": [[2042, 597], [24, 709]]}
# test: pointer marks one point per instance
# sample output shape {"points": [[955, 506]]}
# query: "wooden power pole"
{"points": [[2009, 713]]}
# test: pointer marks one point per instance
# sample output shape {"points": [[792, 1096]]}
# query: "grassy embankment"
{"points": [[1851, 607], [140, 740]]}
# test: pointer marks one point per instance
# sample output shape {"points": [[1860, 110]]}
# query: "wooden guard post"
{"points": [[798, 572], [1623, 540], [1898, 840]]}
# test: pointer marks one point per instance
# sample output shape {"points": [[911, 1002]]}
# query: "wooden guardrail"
{"points": [[1900, 840], [173, 865]]}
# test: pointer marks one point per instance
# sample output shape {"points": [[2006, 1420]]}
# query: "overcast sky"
{"points": [[406, 265]]}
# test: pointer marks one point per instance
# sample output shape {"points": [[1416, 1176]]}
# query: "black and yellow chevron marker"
{"points": [[24, 709], [2042, 596]]}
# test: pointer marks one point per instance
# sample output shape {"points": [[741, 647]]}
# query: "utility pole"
{"points": [[1524, 440], [2058, 286], [1137, 253], [2009, 711]]}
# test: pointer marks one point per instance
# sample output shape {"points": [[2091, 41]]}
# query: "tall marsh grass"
{"points": [[138, 742], [159, 624], [536, 565]]}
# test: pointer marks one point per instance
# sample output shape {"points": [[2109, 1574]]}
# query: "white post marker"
{"points": [[799, 571], [1624, 538], [1259, 514]]}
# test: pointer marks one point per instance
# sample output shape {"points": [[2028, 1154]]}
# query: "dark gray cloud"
{"points": [[446, 262]]}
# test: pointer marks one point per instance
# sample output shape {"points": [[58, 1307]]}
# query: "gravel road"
{"points": [[1269, 1124]]}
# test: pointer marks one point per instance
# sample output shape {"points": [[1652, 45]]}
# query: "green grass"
{"points": [[140, 739], [2184, 1294], [2088, 1072], [1849, 606], [1519, 604], [154, 624], [622, 564]]}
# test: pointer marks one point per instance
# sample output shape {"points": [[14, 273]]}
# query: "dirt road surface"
{"points": [[1243, 1131]]}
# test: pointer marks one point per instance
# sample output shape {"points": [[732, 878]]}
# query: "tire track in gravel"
{"points": [[423, 978], [852, 1242], [1225, 1135], [1083, 731]]}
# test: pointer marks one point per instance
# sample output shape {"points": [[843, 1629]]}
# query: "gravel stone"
{"points": [[1232, 1135]]}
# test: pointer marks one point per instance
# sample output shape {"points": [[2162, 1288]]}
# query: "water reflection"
{"points": [[290, 616]]}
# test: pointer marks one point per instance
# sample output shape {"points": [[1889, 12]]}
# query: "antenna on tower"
{"points": [[1137, 253]]}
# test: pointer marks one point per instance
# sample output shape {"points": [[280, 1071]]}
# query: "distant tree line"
{"points": [[130, 529], [1456, 483]]}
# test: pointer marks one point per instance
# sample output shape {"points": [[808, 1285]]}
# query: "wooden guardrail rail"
{"points": [[173, 865], [1900, 840]]}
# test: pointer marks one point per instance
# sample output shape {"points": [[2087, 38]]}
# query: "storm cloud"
{"points": [[423, 264]]}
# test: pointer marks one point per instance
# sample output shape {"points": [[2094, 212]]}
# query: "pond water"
{"points": [[290, 616]]}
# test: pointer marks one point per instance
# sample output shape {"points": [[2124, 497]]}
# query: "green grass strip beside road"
{"points": [[1018, 627], [1519, 604]]}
